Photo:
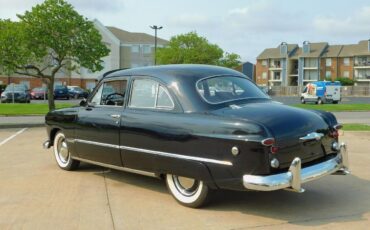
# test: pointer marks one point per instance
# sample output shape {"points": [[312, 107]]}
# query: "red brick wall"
{"points": [[260, 69], [342, 67], [332, 68]]}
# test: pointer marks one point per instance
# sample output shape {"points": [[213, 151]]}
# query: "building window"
{"points": [[264, 63], [135, 49], [310, 62], [147, 49], [311, 75], [328, 74], [264, 75], [275, 64], [346, 61], [346, 74], [328, 62], [276, 76]]}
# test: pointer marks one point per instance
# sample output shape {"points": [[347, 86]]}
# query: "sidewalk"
{"points": [[21, 121]]}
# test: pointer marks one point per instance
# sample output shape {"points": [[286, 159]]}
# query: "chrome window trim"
{"points": [[155, 107], [154, 152], [225, 75]]}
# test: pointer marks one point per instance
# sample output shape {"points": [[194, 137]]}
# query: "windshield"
{"points": [[216, 90]]}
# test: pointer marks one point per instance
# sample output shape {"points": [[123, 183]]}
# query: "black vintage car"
{"points": [[199, 128]]}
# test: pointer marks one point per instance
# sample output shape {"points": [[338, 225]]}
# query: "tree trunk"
{"points": [[51, 94]]}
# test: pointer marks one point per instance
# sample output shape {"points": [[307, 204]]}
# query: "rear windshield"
{"points": [[216, 90]]}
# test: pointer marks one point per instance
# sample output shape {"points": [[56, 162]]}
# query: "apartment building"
{"points": [[312, 62], [128, 50]]}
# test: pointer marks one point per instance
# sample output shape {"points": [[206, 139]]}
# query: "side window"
{"points": [[147, 93], [110, 93]]}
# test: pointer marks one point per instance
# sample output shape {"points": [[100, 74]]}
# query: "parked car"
{"points": [[164, 121], [39, 93], [18, 91], [77, 92], [321, 92], [61, 91]]}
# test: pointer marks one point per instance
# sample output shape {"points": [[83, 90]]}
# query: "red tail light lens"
{"points": [[274, 149], [268, 141]]}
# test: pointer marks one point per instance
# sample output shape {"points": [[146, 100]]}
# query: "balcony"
{"points": [[275, 65], [362, 62]]}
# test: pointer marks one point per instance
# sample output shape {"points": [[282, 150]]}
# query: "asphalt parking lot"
{"points": [[36, 194]]}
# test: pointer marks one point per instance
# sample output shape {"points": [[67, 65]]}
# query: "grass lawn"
{"points": [[356, 127], [336, 108], [28, 109]]}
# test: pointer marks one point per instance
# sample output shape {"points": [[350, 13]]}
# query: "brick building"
{"points": [[291, 65], [128, 50]]}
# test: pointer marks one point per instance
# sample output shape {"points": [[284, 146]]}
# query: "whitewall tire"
{"points": [[187, 191], [62, 153]]}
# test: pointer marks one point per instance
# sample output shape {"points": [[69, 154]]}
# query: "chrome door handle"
{"points": [[115, 116], [312, 136]]}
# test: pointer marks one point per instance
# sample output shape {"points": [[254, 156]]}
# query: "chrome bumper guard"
{"points": [[296, 176]]}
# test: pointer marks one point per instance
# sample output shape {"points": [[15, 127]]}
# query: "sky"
{"points": [[244, 27]]}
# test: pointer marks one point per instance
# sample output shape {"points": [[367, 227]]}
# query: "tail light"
{"points": [[274, 149], [335, 132], [270, 142]]}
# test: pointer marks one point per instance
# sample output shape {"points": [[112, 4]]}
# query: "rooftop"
{"points": [[135, 38]]}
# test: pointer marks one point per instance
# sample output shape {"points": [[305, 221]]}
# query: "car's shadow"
{"points": [[331, 199]]}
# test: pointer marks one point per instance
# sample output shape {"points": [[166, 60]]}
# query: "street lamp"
{"points": [[155, 28]]}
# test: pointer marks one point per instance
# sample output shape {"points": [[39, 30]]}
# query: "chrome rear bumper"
{"points": [[296, 176]]}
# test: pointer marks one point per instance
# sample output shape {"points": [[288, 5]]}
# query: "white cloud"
{"points": [[356, 24]]}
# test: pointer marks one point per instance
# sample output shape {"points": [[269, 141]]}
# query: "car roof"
{"points": [[181, 80], [168, 73]]}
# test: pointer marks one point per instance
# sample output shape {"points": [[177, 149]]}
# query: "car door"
{"points": [[97, 135], [146, 124]]}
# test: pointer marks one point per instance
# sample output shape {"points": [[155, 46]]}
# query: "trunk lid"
{"points": [[287, 125]]}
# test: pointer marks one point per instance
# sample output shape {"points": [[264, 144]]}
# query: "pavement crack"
{"points": [[108, 200]]}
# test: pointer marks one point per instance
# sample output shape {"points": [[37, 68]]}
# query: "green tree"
{"points": [[230, 60], [191, 48], [49, 38]]}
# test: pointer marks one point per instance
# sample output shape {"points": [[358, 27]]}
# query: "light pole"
{"points": [[155, 28]]}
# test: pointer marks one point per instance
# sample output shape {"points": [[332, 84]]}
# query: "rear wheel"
{"points": [[320, 101], [303, 100], [187, 191], [62, 154], [335, 102]]}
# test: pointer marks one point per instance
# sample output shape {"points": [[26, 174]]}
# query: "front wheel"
{"points": [[303, 100], [187, 191], [62, 154], [320, 101]]}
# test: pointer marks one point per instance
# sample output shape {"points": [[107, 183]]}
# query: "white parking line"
{"points": [[12, 136]]}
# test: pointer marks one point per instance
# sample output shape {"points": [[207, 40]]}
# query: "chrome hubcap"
{"points": [[63, 151], [186, 186]]}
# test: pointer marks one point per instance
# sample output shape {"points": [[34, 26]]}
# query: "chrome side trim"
{"points": [[159, 153], [296, 176], [97, 143], [145, 173], [173, 155]]}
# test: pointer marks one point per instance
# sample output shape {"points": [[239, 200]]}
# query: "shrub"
{"points": [[345, 81]]}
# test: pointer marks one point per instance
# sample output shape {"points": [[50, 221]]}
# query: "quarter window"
{"points": [[147, 93]]}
